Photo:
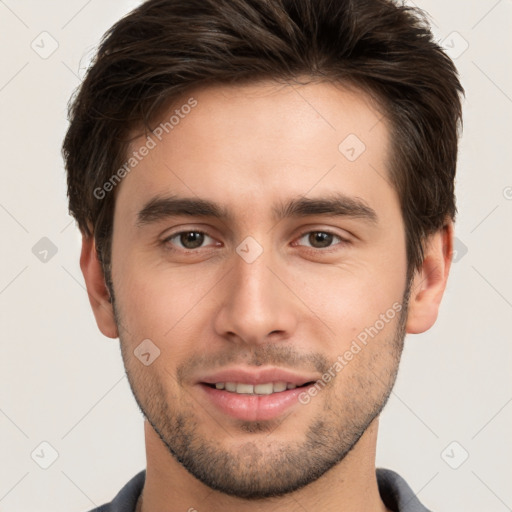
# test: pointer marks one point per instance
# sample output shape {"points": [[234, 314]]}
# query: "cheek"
{"points": [[352, 297], [158, 302]]}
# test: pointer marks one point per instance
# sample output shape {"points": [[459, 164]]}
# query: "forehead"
{"points": [[263, 142]]}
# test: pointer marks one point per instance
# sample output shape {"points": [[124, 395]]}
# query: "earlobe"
{"points": [[429, 282], [97, 291]]}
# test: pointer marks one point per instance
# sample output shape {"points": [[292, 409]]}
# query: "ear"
{"points": [[429, 281], [97, 290]]}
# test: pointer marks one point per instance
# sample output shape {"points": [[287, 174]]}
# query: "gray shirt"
{"points": [[394, 491]]}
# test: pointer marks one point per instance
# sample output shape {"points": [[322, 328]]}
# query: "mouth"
{"points": [[268, 388], [253, 396]]}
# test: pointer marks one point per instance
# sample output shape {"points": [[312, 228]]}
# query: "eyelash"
{"points": [[342, 241], [331, 248]]}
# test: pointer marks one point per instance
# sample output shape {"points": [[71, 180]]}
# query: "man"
{"points": [[266, 195]]}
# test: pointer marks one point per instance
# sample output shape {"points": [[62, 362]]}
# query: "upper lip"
{"points": [[261, 376]]}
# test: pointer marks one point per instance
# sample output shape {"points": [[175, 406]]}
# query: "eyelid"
{"points": [[167, 238], [344, 239]]}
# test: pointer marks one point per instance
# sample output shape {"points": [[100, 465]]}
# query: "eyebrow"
{"points": [[339, 205]]}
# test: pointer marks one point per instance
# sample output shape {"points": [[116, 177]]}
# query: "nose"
{"points": [[256, 306]]}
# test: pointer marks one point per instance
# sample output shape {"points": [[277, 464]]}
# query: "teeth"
{"points": [[246, 389], [279, 386], [258, 389], [231, 386], [264, 389]]}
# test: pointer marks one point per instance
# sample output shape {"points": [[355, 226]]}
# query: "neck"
{"points": [[351, 485]]}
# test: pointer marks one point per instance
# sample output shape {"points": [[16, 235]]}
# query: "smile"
{"points": [[255, 389]]}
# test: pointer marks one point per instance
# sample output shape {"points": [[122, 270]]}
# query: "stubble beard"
{"points": [[268, 466]]}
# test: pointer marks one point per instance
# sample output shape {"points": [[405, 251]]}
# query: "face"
{"points": [[260, 248]]}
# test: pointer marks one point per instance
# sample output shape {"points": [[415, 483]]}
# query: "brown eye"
{"points": [[192, 239], [319, 239], [188, 240]]}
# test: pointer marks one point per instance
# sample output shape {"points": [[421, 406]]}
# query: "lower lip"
{"points": [[253, 407]]}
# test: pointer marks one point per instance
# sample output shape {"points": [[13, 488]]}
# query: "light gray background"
{"points": [[63, 383]]}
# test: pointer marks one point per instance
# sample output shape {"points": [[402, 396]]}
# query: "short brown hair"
{"points": [[164, 48]]}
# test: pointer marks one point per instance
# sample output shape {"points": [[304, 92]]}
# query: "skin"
{"points": [[297, 306]]}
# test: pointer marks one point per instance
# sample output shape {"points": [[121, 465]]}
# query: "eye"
{"points": [[320, 239], [188, 240]]}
